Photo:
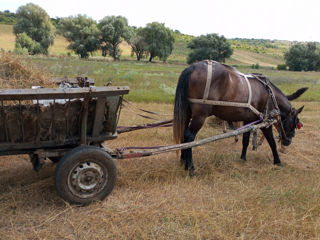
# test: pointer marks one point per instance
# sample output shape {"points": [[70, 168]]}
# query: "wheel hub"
{"points": [[87, 179]]}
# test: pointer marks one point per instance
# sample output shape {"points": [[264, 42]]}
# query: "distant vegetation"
{"points": [[211, 47], [34, 30], [7, 17], [303, 57], [117, 39]]}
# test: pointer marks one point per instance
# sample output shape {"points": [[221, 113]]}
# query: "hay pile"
{"points": [[13, 74]]}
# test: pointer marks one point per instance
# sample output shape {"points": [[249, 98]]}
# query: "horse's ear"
{"points": [[297, 94], [300, 110]]}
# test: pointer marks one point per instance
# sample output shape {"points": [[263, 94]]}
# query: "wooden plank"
{"points": [[84, 120], [99, 116], [7, 148], [61, 93]]}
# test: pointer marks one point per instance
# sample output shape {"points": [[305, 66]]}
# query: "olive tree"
{"points": [[160, 40], [82, 33], [114, 29], [36, 24], [211, 47], [138, 44], [303, 57]]}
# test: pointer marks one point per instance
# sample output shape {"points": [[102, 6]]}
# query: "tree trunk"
{"points": [[151, 57], [114, 53]]}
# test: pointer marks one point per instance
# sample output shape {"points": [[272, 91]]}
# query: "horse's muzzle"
{"points": [[286, 142]]}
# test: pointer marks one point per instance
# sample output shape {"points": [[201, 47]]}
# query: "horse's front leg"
{"points": [[245, 144], [267, 132], [189, 136]]}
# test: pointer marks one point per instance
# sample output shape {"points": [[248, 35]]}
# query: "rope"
{"points": [[143, 110], [123, 129]]}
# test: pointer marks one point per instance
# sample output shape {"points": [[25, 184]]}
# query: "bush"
{"points": [[255, 66], [24, 44], [282, 67]]}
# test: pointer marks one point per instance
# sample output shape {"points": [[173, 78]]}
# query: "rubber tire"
{"points": [[71, 159]]}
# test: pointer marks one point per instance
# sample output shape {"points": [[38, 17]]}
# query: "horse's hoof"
{"points": [[192, 172], [182, 162], [243, 158], [278, 164]]}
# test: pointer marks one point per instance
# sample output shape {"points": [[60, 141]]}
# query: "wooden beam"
{"points": [[61, 93]]}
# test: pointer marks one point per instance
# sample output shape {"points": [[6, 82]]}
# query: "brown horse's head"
{"points": [[290, 122]]}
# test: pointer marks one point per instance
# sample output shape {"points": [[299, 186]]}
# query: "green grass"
{"points": [[156, 82], [148, 81], [289, 81]]}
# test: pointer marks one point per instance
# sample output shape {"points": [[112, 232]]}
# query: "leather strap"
{"points": [[205, 100], [209, 79], [224, 103]]}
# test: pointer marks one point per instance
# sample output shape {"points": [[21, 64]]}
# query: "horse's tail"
{"points": [[182, 112]]}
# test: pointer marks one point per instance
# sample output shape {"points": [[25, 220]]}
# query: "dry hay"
{"points": [[14, 74], [156, 199]]}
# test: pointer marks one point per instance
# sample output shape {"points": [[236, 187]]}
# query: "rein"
{"points": [[282, 133]]}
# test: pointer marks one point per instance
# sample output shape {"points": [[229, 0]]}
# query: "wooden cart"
{"points": [[67, 126]]}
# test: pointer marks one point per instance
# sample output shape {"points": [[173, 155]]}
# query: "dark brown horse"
{"points": [[228, 85]]}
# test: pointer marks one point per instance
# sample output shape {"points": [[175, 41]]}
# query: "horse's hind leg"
{"points": [[189, 136]]}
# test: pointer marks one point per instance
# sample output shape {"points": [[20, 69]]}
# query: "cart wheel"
{"points": [[85, 174]]}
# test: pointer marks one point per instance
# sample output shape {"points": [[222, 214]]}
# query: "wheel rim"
{"points": [[87, 179]]}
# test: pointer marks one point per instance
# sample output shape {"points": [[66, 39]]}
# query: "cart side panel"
{"points": [[112, 107], [57, 125]]}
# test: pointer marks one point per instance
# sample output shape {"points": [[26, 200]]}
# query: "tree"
{"points": [[138, 44], [160, 40], [303, 57], [35, 22], [211, 47], [114, 29], [82, 33]]}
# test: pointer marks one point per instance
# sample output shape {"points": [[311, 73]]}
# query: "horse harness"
{"points": [[266, 83]]}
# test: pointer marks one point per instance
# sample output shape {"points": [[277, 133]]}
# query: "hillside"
{"points": [[246, 51]]}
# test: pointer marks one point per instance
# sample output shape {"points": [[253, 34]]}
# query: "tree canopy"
{"points": [[160, 40], [138, 44], [114, 29], [303, 57], [211, 47], [82, 33], [35, 22]]}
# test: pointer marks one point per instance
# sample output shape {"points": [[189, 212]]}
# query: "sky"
{"points": [[294, 20]]}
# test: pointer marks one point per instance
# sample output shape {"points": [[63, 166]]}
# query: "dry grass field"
{"points": [[156, 199]]}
